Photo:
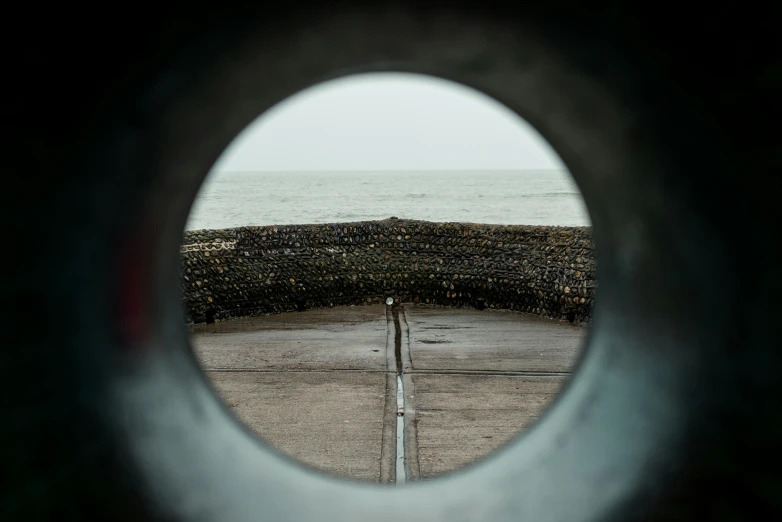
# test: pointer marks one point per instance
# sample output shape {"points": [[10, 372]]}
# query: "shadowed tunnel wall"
{"points": [[237, 272]]}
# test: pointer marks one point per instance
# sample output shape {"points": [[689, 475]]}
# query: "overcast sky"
{"points": [[388, 121]]}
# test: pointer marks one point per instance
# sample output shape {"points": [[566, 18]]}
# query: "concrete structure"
{"points": [[320, 386], [248, 271]]}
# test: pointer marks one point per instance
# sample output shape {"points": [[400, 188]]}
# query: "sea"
{"points": [[524, 197]]}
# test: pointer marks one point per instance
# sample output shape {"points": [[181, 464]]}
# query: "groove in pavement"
{"points": [[321, 386], [414, 372]]}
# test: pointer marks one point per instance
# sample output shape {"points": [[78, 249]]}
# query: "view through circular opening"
{"points": [[388, 276]]}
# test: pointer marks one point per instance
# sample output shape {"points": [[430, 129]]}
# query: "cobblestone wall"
{"points": [[548, 271]]}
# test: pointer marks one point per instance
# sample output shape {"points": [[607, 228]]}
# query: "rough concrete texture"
{"points": [[329, 421], [320, 385], [293, 386], [341, 338], [463, 418], [494, 341]]}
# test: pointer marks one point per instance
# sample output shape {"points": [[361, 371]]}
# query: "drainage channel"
{"points": [[401, 472], [399, 454]]}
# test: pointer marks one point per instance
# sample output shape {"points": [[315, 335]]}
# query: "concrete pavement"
{"points": [[480, 377], [311, 384], [320, 386], [326, 421]]}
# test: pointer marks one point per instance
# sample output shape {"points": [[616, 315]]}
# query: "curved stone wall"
{"points": [[548, 271]]}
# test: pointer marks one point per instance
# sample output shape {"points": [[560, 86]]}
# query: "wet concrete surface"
{"points": [[320, 385], [487, 340], [311, 384], [350, 337]]}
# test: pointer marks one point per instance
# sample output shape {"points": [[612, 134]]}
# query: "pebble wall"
{"points": [[548, 271]]}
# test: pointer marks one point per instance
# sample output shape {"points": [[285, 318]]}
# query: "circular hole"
{"points": [[676, 393], [396, 189]]}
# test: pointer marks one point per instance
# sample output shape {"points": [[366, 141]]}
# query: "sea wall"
{"points": [[548, 271]]}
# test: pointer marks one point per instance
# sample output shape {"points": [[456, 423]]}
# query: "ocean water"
{"points": [[529, 197]]}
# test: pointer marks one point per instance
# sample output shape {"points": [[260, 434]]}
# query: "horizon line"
{"points": [[395, 170]]}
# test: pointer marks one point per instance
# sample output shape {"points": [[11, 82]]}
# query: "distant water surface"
{"points": [[529, 197]]}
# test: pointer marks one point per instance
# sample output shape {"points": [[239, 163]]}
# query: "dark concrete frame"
{"points": [[664, 121]]}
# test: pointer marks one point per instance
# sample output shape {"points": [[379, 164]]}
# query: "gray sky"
{"points": [[388, 121]]}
